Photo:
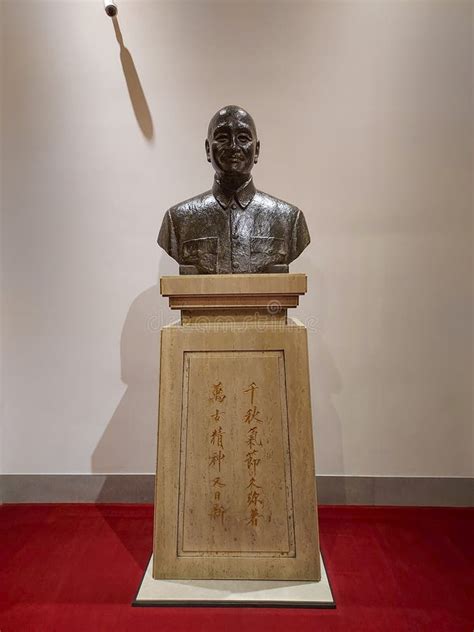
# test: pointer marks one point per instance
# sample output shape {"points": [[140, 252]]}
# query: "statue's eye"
{"points": [[220, 138], [244, 138]]}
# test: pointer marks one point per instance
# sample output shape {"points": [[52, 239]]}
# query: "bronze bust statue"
{"points": [[233, 228]]}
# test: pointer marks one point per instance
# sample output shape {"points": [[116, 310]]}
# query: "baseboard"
{"points": [[332, 490], [77, 488]]}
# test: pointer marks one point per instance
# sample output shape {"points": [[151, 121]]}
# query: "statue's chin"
{"points": [[235, 170]]}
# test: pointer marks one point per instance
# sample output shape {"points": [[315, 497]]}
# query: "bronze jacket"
{"points": [[246, 231]]}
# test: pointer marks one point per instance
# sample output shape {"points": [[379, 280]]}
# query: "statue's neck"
{"points": [[233, 182]]}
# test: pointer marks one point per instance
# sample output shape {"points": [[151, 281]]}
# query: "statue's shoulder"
{"points": [[274, 204], [191, 205]]}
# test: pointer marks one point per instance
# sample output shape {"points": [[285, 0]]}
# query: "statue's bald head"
{"points": [[232, 145], [231, 112]]}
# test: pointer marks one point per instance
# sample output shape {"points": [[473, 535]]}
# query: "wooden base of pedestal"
{"points": [[235, 489]]}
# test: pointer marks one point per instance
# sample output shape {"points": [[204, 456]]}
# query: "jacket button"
{"points": [[233, 206]]}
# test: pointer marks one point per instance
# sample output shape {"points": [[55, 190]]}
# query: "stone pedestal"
{"points": [[235, 485]]}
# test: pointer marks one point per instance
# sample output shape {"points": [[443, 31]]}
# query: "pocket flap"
{"points": [[271, 246], [203, 245]]}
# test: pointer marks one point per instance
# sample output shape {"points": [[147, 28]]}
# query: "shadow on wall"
{"points": [[327, 383], [128, 444], [135, 90]]}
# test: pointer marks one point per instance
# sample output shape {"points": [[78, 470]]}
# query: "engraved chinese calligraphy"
{"points": [[235, 470], [217, 455], [252, 459]]}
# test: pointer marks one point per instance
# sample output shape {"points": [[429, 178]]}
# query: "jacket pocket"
{"points": [[266, 251], [201, 253]]}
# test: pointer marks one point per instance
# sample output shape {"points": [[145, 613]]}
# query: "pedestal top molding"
{"points": [[200, 284], [223, 291]]}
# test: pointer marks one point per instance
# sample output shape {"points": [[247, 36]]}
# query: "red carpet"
{"points": [[76, 568]]}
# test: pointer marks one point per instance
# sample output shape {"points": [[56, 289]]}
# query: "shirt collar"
{"points": [[244, 195]]}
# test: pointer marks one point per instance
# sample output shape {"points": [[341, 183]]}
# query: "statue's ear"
{"points": [[208, 150], [257, 152]]}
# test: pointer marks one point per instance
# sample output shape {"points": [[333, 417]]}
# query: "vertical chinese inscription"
{"points": [[217, 453], [253, 458], [235, 475]]}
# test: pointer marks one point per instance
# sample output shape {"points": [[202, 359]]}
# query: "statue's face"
{"points": [[232, 146]]}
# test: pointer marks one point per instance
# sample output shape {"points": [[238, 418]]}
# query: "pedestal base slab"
{"points": [[236, 593]]}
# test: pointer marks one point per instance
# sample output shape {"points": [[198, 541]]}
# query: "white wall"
{"points": [[364, 111]]}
